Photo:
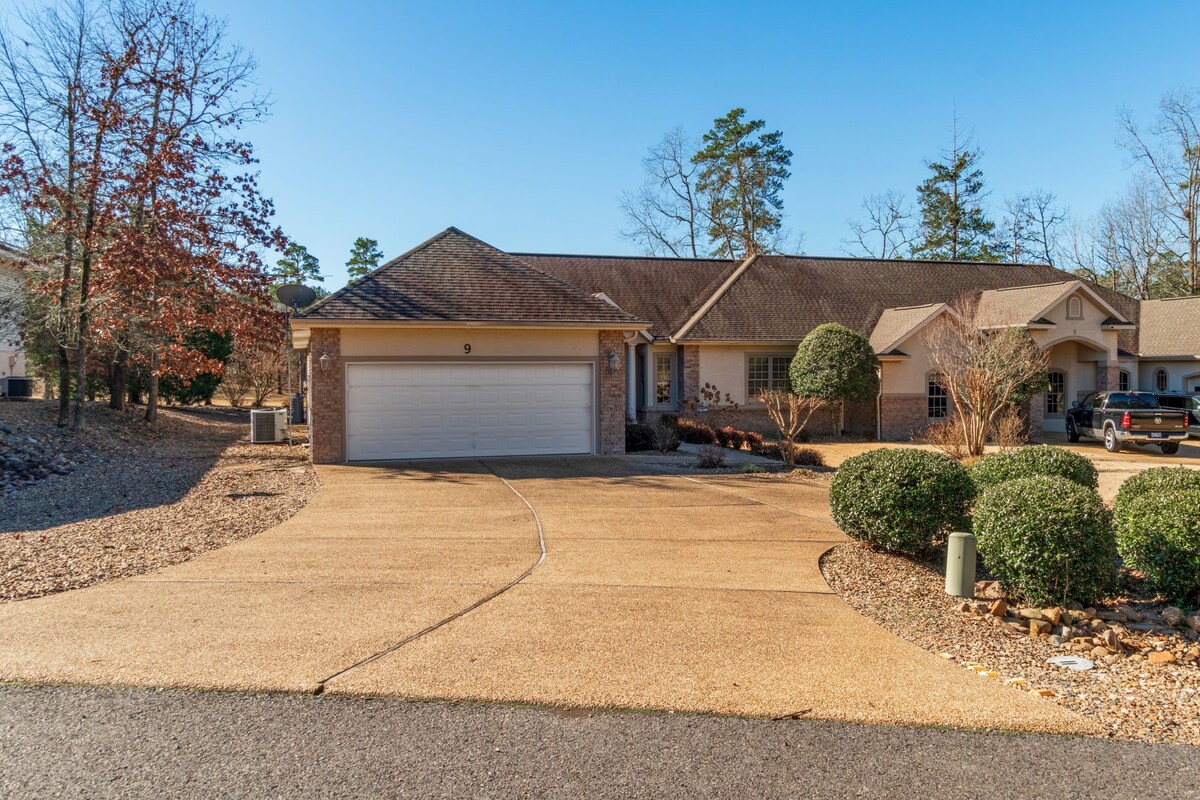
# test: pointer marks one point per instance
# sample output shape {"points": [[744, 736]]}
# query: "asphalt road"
{"points": [[97, 742]]}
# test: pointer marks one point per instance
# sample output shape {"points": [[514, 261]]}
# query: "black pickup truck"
{"points": [[1121, 417]]}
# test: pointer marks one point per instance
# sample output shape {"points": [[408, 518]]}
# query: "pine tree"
{"points": [[742, 178], [953, 224], [365, 256], [298, 266]]}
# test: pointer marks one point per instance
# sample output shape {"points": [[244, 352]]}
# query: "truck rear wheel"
{"points": [[1169, 448], [1111, 443]]}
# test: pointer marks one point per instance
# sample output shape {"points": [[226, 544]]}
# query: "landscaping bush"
{"points": [[753, 439], [752, 469], [666, 434], [1158, 530], [730, 436], [639, 437], [808, 457], [710, 458], [694, 432], [1158, 480], [1028, 462], [1047, 539], [904, 501]]}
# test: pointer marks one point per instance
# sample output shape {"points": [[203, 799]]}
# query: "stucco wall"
{"points": [[1181, 375], [724, 366], [1086, 328], [12, 359]]}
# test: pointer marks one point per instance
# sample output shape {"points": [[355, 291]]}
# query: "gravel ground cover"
{"points": [[140, 496], [1130, 697]]}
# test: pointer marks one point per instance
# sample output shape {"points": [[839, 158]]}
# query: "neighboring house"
{"points": [[456, 348], [12, 355]]}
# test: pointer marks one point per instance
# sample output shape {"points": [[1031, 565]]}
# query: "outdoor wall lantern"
{"points": [[325, 359], [614, 360]]}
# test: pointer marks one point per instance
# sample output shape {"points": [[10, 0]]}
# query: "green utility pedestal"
{"points": [[960, 565]]}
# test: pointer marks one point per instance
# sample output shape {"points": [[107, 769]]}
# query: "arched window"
{"points": [[937, 401], [1123, 381], [1074, 308], [1056, 392], [1160, 380]]}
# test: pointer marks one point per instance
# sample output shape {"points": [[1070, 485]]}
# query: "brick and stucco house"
{"points": [[456, 348]]}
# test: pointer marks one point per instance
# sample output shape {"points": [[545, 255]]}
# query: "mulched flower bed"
{"points": [[137, 496], [1131, 697]]}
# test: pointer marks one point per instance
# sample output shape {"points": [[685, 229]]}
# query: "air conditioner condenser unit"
{"points": [[268, 425]]}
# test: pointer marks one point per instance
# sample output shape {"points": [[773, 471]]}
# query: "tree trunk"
{"points": [[64, 387], [118, 381], [152, 395]]}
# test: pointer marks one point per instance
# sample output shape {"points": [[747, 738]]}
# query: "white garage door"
{"points": [[399, 411]]}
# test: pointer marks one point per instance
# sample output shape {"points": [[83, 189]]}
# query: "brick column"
{"points": [[1037, 413], [612, 392], [689, 355], [326, 387], [1108, 376]]}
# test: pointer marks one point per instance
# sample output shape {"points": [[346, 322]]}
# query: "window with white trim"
{"points": [[767, 372], [1056, 392], [662, 379], [1161, 380], [1074, 308], [937, 402], [1123, 381]]}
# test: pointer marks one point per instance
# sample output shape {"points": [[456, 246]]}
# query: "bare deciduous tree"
{"points": [[790, 412], [1170, 154], [983, 373], [885, 232], [667, 215], [1032, 228]]}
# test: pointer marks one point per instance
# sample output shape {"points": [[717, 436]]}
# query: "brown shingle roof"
{"points": [[782, 298], [662, 291], [1170, 327], [455, 277], [896, 324]]}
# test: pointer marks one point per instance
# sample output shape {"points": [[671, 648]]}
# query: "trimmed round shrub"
{"points": [[1028, 462], [1158, 480], [1048, 539], [1158, 530], [904, 501], [639, 437]]}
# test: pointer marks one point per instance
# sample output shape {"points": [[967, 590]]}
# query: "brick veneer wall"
{"points": [[1037, 413], [1107, 376], [689, 355], [903, 415], [612, 393], [860, 420], [326, 387]]}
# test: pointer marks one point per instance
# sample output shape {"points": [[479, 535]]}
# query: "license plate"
{"points": [[1158, 436]]}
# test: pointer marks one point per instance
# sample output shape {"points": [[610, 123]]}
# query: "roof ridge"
{"points": [[628, 258], [324, 300]]}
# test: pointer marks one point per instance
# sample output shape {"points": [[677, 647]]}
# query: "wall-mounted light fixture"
{"points": [[325, 360], [614, 360]]}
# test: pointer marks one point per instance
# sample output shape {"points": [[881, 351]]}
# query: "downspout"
{"points": [[879, 406]]}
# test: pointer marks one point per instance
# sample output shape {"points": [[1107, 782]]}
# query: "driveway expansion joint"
{"points": [[320, 688]]}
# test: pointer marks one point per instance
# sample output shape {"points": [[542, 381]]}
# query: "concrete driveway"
{"points": [[657, 591]]}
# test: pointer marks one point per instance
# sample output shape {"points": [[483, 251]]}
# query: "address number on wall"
{"points": [[467, 349]]}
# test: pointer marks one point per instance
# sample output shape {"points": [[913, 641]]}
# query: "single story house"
{"points": [[12, 353], [456, 348]]}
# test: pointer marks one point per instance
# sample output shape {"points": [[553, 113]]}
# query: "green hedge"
{"points": [[1049, 540], [1027, 462], [904, 501], [1158, 530]]}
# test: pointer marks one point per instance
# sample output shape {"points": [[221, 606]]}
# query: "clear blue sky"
{"points": [[522, 122]]}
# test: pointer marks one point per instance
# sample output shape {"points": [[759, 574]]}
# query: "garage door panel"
{"points": [[397, 411]]}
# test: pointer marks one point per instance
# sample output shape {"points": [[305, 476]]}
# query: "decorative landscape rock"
{"points": [[25, 460]]}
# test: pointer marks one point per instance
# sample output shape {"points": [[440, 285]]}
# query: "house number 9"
{"points": [[467, 349]]}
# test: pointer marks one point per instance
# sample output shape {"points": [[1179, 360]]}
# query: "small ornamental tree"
{"points": [[835, 365]]}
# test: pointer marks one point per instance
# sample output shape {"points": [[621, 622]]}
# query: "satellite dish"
{"points": [[295, 295]]}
